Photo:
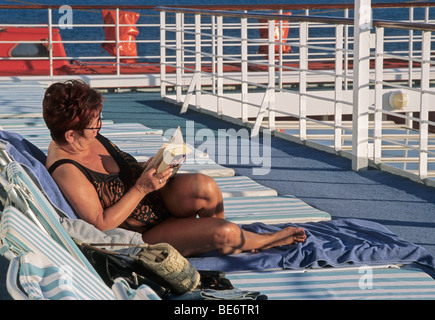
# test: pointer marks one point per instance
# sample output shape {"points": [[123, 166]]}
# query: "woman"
{"points": [[108, 188]]}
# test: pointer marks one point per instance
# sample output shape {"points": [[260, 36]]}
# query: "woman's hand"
{"points": [[144, 165], [150, 180]]}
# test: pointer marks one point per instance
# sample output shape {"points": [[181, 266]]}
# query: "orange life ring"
{"points": [[264, 32]]}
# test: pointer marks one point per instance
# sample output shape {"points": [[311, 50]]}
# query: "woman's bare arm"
{"points": [[83, 197]]}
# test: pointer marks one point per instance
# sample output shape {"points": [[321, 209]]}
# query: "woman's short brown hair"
{"points": [[70, 105]]}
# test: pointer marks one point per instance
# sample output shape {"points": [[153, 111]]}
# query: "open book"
{"points": [[171, 154]]}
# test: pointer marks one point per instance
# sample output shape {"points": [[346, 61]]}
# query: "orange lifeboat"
{"points": [[17, 43], [126, 33], [264, 49]]}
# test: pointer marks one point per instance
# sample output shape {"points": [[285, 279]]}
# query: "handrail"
{"points": [[404, 25], [256, 15], [301, 18], [268, 100], [232, 7]]}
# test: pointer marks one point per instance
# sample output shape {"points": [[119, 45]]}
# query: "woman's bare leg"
{"points": [[191, 195], [197, 236]]}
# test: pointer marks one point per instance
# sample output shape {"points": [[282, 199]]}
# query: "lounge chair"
{"points": [[21, 100], [24, 193], [381, 282], [271, 210]]}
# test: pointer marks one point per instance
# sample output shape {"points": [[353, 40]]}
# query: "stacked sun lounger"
{"points": [[245, 202]]}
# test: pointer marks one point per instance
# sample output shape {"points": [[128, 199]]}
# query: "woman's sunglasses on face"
{"points": [[96, 128]]}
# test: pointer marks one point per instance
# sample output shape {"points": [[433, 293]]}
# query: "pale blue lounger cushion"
{"points": [[41, 279], [22, 235], [271, 210], [389, 282]]}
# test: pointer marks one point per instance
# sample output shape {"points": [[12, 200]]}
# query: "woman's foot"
{"points": [[285, 236]]}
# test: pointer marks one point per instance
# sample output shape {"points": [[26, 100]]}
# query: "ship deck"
{"points": [[324, 180], [321, 179]]}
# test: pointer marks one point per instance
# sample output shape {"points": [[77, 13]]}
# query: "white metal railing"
{"points": [[308, 92], [82, 37], [205, 53]]}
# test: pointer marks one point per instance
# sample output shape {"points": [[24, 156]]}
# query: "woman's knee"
{"points": [[194, 184], [228, 235], [206, 184], [191, 194], [210, 197]]}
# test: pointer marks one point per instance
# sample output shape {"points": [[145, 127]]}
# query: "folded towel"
{"points": [[335, 243]]}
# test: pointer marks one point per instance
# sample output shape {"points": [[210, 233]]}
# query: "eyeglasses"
{"points": [[96, 128]]}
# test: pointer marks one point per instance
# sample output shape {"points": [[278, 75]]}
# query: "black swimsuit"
{"points": [[111, 187]]}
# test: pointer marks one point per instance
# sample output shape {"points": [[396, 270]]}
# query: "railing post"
{"points": [[50, 41], [198, 61], [409, 122], [303, 67], [183, 56], [178, 43], [379, 72], [195, 82], [346, 53], [244, 69], [271, 73], [213, 52], [361, 93], [163, 54], [280, 53], [220, 65], [118, 59], [424, 103], [338, 92], [268, 102]]}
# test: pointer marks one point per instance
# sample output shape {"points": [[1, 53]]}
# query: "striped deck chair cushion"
{"points": [[241, 186], [142, 147], [210, 169], [20, 101], [135, 129], [22, 235], [192, 164], [41, 279], [9, 123], [271, 210], [41, 210], [388, 282], [109, 129]]}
